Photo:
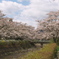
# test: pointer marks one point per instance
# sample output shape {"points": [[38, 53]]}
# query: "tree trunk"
{"points": [[54, 39], [41, 45]]}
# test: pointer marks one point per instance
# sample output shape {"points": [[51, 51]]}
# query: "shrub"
{"points": [[15, 44], [25, 44], [57, 41], [7, 46], [57, 48], [47, 52]]}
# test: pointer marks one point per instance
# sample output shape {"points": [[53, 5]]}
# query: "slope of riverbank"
{"points": [[20, 53]]}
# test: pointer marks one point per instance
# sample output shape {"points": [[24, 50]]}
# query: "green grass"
{"points": [[57, 48], [47, 52]]}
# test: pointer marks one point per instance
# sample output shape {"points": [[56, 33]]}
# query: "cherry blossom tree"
{"points": [[15, 30], [50, 26]]}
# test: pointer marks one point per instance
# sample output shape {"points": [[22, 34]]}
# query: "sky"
{"points": [[28, 11]]}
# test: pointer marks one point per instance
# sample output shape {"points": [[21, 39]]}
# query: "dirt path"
{"points": [[21, 53]]}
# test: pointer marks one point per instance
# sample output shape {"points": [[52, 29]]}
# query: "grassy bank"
{"points": [[10, 46], [47, 52]]}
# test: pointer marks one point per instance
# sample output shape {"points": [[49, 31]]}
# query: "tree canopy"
{"points": [[49, 26], [15, 30]]}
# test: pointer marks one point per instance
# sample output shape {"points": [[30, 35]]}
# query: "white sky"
{"points": [[35, 10]]}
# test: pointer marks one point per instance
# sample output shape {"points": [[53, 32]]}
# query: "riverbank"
{"points": [[20, 53]]}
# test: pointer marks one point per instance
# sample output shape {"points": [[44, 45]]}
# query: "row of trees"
{"points": [[15, 30], [49, 28]]}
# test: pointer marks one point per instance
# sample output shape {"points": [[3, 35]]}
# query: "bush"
{"points": [[57, 48], [47, 52], [57, 41], [16, 44], [7, 46]]}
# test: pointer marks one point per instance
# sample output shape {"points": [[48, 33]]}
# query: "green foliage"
{"points": [[47, 52], [57, 41], [15, 43], [57, 48], [51, 41], [10, 46]]}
